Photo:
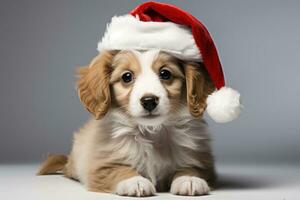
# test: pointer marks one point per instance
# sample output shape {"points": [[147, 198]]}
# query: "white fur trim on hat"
{"points": [[224, 105], [128, 32]]}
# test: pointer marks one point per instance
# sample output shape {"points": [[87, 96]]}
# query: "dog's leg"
{"points": [[190, 182], [121, 180]]}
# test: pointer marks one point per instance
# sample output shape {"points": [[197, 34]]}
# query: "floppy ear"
{"points": [[93, 84], [198, 87]]}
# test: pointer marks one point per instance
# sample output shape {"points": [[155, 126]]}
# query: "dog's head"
{"points": [[149, 87]]}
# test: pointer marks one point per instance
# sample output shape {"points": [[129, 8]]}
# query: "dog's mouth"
{"points": [[150, 119], [150, 116]]}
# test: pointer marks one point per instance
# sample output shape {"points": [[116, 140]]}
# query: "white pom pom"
{"points": [[224, 105]]}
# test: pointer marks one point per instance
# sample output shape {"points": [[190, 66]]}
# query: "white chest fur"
{"points": [[155, 152]]}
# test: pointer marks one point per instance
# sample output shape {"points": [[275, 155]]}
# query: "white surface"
{"points": [[238, 182]]}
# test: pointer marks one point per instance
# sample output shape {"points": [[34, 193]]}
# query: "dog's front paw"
{"points": [[137, 186], [189, 186]]}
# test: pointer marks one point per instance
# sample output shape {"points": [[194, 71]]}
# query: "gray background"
{"points": [[42, 42]]}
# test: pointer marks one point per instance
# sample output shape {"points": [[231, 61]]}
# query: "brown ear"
{"points": [[198, 87], [93, 84]]}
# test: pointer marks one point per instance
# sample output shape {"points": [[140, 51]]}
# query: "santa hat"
{"points": [[166, 27]]}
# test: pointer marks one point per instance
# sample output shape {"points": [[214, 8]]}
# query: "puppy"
{"points": [[147, 133]]}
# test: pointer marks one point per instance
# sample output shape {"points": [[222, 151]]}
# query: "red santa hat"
{"points": [[166, 27]]}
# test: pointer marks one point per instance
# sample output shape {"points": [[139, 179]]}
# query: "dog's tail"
{"points": [[54, 164]]}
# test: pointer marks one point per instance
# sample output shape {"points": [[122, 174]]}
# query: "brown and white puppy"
{"points": [[148, 134]]}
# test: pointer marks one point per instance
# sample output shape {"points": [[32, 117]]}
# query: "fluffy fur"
{"points": [[127, 32], [130, 151]]}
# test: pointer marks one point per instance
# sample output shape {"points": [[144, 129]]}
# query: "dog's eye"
{"points": [[127, 77], [164, 74]]}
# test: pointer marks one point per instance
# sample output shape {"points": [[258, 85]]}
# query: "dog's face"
{"points": [[149, 87]]}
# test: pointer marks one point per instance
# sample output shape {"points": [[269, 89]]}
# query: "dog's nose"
{"points": [[149, 102]]}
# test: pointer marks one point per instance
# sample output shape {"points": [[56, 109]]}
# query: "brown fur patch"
{"points": [[93, 84], [104, 178], [174, 86], [198, 87], [164, 60], [54, 164], [124, 61]]}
